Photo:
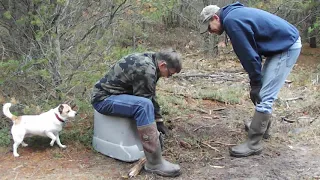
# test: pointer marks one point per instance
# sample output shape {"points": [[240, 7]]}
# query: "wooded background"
{"points": [[55, 50]]}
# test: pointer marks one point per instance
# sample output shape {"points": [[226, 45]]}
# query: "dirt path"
{"points": [[286, 160], [54, 163]]}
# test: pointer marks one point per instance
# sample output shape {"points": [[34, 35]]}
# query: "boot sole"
{"points": [[175, 174], [245, 155]]}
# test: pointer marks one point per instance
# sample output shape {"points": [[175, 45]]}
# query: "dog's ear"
{"points": [[60, 108]]}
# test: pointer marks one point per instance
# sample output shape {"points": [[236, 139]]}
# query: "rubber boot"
{"points": [[266, 135], [253, 144], [155, 163]]}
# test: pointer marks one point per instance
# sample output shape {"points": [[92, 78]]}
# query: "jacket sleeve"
{"points": [[157, 110], [144, 85], [244, 45]]}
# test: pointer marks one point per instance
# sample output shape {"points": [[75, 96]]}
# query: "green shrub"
{"points": [[80, 134], [4, 137]]}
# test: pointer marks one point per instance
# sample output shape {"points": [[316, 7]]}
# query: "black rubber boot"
{"points": [[253, 144], [155, 163], [266, 135]]}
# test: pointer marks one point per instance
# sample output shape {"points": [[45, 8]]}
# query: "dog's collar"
{"points": [[59, 118]]}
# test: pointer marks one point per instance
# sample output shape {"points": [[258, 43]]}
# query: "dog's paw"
{"points": [[24, 145], [51, 144], [16, 155], [63, 146]]}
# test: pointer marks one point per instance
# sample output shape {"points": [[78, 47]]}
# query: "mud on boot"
{"points": [[155, 163]]}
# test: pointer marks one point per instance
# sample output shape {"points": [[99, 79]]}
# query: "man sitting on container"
{"points": [[129, 90]]}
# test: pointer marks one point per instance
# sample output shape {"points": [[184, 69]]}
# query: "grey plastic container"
{"points": [[117, 137]]}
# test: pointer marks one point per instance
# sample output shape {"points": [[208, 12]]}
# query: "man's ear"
{"points": [[215, 17], [162, 64]]}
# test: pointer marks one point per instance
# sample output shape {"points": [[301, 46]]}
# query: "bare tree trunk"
{"points": [[133, 35], [313, 42], [313, 39]]}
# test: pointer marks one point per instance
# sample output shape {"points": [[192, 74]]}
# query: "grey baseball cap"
{"points": [[205, 16]]}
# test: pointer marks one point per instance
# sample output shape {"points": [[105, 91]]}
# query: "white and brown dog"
{"points": [[46, 124]]}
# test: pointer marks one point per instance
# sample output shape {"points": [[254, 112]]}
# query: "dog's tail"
{"points": [[7, 112]]}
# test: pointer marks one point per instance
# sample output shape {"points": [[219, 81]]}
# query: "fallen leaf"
{"points": [[185, 144]]}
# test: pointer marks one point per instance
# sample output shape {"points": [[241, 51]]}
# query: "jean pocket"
{"points": [[291, 58]]}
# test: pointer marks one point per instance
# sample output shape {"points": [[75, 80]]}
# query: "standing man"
{"points": [[255, 33], [129, 90]]}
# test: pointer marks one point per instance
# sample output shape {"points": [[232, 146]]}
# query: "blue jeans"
{"points": [[274, 73], [138, 108]]}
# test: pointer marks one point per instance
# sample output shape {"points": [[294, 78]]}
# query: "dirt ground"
{"points": [[200, 138]]}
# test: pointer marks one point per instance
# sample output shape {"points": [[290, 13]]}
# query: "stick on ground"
{"points": [[210, 146], [135, 170]]}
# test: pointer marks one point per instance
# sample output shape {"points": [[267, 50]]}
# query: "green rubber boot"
{"points": [[253, 144], [155, 163], [266, 135]]}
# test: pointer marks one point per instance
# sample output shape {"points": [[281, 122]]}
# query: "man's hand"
{"points": [[254, 94], [162, 128]]}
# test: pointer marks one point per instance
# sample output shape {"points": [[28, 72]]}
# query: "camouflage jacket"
{"points": [[135, 74]]}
